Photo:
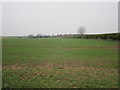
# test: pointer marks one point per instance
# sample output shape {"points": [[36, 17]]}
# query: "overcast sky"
{"points": [[23, 18]]}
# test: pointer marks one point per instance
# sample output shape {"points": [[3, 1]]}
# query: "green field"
{"points": [[59, 63]]}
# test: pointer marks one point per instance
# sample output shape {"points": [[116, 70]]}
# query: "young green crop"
{"points": [[57, 63]]}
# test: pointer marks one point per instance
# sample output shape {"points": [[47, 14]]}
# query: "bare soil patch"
{"points": [[57, 66], [49, 70]]}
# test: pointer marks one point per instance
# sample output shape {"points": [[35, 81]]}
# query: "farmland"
{"points": [[59, 63]]}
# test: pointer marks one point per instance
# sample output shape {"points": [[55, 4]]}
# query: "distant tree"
{"points": [[39, 36], [81, 30], [31, 36]]}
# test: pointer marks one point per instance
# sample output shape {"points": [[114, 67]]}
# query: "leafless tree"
{"points": [[81, 30]]}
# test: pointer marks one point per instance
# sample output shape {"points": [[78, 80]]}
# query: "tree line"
{"points": [[81, 34], [112, 36]]}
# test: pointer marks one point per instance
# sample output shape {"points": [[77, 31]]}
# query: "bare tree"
{"points": [[81, 30]]}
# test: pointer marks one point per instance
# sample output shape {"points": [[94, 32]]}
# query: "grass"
{"points": [[59, 63]]}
